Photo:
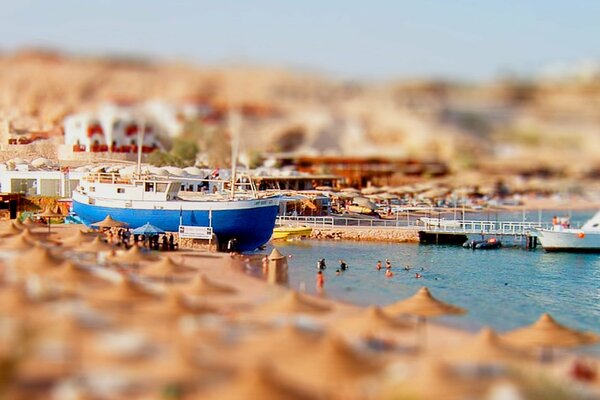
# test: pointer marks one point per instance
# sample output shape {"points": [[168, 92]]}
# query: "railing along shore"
{"points": [[456, 226]]}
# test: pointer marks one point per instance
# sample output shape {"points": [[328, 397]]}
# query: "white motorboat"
{"points": [[583, 240]]}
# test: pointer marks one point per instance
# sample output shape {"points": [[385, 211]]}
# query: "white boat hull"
{"points": [[570, 240]]}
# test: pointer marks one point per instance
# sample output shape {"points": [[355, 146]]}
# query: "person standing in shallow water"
{"points": [[321, 264], [343, 265], [320, 280], [378, 266]]}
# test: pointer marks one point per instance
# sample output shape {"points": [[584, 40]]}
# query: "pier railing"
{"points": [[444, 226]]}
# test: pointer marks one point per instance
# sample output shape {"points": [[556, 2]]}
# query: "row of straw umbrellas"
{"points": [[132, 324]]}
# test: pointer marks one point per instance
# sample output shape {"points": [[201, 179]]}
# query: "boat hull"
{"points": [[250, 226], [569, 240]]}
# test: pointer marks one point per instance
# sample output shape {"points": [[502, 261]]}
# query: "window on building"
{"points": [[92, 188], [149, 187], [161, 187], [120, 190]]}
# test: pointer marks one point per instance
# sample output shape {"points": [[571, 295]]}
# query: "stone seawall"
{"points": [[369, 234]]}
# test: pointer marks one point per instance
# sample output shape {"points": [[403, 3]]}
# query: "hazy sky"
{"points": [[352, 39]]}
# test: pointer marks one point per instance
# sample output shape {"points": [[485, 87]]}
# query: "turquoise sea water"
{"points": [[504, 289]]}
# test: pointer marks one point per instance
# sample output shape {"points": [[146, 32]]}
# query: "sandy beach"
{"points": [[126, 332]]}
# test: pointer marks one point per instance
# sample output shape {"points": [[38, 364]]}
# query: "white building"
{"points": [[112, 128]]}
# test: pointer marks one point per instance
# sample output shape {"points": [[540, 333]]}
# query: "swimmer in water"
{"points": [[417, 275], [378, 266], [388, 273], [388, 264], [338, 272], [407, 267], [343, 265]]}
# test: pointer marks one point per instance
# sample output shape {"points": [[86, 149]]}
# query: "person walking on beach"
{"points": [[378, 265], [320, 279]]}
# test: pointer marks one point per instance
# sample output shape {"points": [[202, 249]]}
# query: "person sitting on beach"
{"points": [[320, 280], [389, 273], [321, 264], [378, 266], [343, 265]]}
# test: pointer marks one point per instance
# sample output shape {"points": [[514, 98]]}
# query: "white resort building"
{"points": [[112, 128]]}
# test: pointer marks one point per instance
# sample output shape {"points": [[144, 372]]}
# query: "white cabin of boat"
{"points": [[114, 186]]}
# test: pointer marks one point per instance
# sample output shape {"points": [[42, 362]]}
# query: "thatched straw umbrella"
{"points": [[132, 256], [435, 380], [546, 333], [109, 222], [166, 268], [332, 365], [176, 304], [72, 276], [36, 260], [285, 343], [77, 239], [97, 245], [423, 305], [292, 302], [23, 241], [125, 293], [49, 214], [259, 382], [201, 285], [371, 322], [11, 230], [484, 349]]}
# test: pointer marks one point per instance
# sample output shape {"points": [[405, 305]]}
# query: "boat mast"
{"points": [[234, 131], [140, 142]]}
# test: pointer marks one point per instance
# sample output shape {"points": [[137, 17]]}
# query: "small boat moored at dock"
{"points": [[291, 232], [486, 244], [565, 239]]}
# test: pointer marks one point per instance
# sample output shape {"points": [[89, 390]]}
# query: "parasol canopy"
{"points": [[330, 362], [201, 285], [546, 332], [11, 229], [95, 246], [166, 268], [77, 239], [486, 348], [260, 382], [109, 222], [123, 292], [293, 302], [371, 321], [285, 343], [423, 304], [132, 256], [23, 241], [148, 229], [38, 259]]}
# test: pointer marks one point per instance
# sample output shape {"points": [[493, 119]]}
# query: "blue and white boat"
{"points": [[242, 219]]}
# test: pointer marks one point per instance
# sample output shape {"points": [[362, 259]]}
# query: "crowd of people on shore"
{"points": [[126, 238]]}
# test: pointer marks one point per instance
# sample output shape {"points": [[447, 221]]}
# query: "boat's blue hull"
{"points": [[251, 227]]}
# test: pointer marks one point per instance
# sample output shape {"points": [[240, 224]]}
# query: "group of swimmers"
{"points": [[344, 266]]}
